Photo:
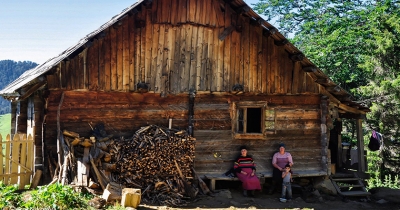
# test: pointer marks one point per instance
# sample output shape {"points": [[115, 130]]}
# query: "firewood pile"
{"points": [[157, 160]]}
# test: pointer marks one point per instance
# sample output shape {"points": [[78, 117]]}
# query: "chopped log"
{"points": [[130, 197], [100, 179], [76, 141], [97, 202], [109, 166], [202, 184], [112, 192], [64, 171], [70, 134], [93, 185], [36, 179], [188, 189], [86, 143], [142, 161]]}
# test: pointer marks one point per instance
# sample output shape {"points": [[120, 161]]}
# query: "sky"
{"points": [[37, 30]]}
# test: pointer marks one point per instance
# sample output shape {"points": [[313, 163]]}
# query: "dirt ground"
{"points": [[232, 198]]}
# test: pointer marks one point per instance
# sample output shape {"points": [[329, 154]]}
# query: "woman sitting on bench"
{"points": [[245, 169]]}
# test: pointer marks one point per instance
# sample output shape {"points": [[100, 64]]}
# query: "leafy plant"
{"points": [[8, 197], [388, 181], [56, 196]]}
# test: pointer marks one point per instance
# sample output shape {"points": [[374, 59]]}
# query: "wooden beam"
{"points": [[310, 69], [226, 32], [281, 42], [322, 80], [340, 105], [297, 57], [242, 10], [269, 32], [333, 88], [32, 90], [351, 116], [350, 109], [360, 146]]}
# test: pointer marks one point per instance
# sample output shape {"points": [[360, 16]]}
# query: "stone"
{"points": [[235, 204], [224, 194], [390, 195], [324, 185]]}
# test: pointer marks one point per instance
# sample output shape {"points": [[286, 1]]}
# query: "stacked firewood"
{"points": [[157, 160]]}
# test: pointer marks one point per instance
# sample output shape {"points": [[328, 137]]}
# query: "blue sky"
{"points": [[37, 30]]}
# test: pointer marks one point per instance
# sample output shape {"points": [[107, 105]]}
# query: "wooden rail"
{"points": [[16, 160]]}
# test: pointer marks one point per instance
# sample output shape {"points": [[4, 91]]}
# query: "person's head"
{"points": [[282, 148], [287, 167], [243, 150]]}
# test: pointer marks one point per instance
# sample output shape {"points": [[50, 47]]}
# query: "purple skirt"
{"points": [[249, 182]]}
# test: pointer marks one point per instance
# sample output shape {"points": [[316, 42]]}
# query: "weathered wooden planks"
{"points": [[175, 51]]}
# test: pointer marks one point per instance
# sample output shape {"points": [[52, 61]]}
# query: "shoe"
{"points": [[252, 193], [283, 200], [245, 193]]}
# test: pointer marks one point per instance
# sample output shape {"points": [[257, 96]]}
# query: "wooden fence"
{"points": [[16, 160]]}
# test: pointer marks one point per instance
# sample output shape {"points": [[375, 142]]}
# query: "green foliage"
{"points": [[8, 197], [5, 125], [388, 182], [56, 196], [9, 71], [357, 44]]}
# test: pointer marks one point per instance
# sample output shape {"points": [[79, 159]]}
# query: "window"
{"points": [[248, 119]]}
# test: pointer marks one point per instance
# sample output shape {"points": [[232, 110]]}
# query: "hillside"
{"points": [[9, 71]]}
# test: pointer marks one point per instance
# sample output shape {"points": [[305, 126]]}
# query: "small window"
{"points": [[249, 120]]}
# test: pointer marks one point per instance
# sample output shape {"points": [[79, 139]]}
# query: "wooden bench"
{"points": [[261, 175], [215, 177]]}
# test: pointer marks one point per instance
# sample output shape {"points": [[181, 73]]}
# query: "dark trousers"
{"points": [[276, 180]]}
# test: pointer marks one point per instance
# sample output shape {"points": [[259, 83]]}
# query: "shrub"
{"points": [[56, 196], [8, 197]]}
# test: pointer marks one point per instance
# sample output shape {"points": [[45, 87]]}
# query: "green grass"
{"points": [[5, 125]]}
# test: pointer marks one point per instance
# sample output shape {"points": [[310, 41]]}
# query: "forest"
{"points": [[9, 71], [357, 44]]}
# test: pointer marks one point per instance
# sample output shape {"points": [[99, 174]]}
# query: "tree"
{"points": [[356, 43], [9, 71]]}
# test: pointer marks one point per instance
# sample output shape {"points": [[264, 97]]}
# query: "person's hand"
{"points": [[252, 173], [244, 172]]}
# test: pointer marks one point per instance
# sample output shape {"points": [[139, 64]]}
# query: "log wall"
{"points": [[297, 124]]}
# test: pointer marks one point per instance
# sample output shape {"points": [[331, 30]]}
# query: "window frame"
{"points": [[235, 119]]}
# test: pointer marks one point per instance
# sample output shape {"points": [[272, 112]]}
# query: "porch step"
{"points": [[353, 186], [349, 185], [346, 179]]}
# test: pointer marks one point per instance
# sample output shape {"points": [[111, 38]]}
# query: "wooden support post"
{"points": [[212, 184], [360, 146], [36, 179], [339, 158]]}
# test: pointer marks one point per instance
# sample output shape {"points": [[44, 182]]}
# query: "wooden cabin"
{"points": [[212, 67]]}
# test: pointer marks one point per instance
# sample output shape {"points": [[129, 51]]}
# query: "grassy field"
{"points": [[5, 125]]}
